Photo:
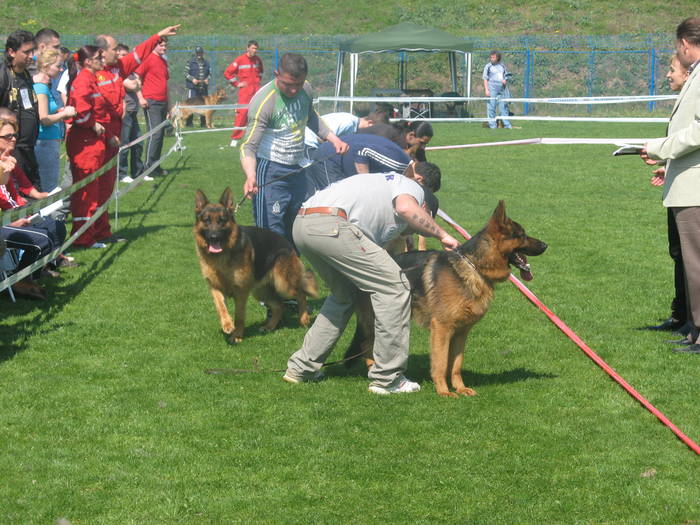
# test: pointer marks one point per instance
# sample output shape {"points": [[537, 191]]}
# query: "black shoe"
{"points": [[690, 349], [669, 325], [684, 341]]}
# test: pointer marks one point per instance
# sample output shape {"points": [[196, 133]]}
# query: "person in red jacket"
{"points": [[245, 73], [110, 84], [86, 139], [154, 75]]}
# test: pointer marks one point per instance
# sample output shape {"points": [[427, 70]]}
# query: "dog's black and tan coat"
{"points": [[237, 260], [206, 100], [451, 292]]}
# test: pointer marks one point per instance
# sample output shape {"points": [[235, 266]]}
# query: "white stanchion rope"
{"points": [[546, 140], [551, 100]]}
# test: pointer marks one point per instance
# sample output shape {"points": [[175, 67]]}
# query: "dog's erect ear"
{"points": [[226, 199], [498, 219], [200, 201], [500, 212]]}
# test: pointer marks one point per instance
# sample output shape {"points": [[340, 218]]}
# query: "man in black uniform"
{"points": [[17, 94], [198, 74]]}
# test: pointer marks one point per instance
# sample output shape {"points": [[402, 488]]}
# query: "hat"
{"points": [[198, 50]]}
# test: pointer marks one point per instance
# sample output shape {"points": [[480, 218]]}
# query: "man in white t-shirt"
{"points": [[495, 86], [341, 230]]}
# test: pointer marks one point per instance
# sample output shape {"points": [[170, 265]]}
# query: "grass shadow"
{"points": [[16, 337]]}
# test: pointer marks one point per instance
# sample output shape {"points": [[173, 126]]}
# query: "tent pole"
{"points": [[338, 77]]}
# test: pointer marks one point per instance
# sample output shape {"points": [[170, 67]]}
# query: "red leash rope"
{"points": [[583, 346]]}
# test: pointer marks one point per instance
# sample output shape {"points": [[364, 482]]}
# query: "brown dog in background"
{"points": [[206, 100], [452, 291], [237, 260]]}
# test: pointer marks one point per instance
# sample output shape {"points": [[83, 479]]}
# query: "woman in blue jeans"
{"points": [[51, 114]]}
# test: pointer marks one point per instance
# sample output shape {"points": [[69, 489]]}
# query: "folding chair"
{"points": [[8, 262]]}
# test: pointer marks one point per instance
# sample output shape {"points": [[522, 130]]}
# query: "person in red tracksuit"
{"points": [[110, 84], [245, 73], [86, 140]]}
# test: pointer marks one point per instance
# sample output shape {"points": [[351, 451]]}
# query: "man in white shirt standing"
{"points": [[341, 230], [495, 81]]}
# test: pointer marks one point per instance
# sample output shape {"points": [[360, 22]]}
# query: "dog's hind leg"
{"points": [[304, 317], [276, 308], [440, 336], [456, 357], [220, 304]]}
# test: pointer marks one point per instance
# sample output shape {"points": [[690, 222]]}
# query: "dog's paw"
{"points": [[447, 393], [227, 326], [234, 339], [305, 319], [465, 391]]}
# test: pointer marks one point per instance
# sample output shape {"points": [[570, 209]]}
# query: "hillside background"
{"points": [[554, 48], [310, 17]]}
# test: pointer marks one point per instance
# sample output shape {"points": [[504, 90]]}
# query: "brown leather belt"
{"points": [[324, 210]]}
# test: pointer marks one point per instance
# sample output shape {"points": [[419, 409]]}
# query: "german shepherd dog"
{"points": [[206, 100], [237, 260], [452, 291]]}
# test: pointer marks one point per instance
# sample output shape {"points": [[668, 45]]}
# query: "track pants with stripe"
{"points": [[35, 240], [245, 94], [275, 205]]}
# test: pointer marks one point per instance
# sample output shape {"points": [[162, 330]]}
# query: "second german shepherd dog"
{"points": [[237, 260], [452, 291], [207, 100]]}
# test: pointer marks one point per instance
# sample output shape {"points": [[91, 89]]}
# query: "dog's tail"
{"points": [[309, 284]]}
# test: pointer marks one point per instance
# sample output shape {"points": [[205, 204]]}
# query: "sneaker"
{"points": [[234, 143], [126, 180], [98, 245], [289, 377], [147, 178], [404, 386]]}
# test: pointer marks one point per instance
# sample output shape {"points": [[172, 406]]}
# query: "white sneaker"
{"points": [[234, 143], [147, 178], [98, 245], [404, 386], [319, 375], [127, 180]]}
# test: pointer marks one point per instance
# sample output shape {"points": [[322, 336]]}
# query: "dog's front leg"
{"points": [[241, 300], [440, 336], [457, 345], [220, 304]]}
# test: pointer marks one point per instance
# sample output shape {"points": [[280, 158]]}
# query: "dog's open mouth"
{"points": [[215, 247], [520, 261]]}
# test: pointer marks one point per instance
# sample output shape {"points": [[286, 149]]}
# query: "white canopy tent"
{"points": [[403, 38]]}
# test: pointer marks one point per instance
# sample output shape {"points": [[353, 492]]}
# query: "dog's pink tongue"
{"points": [[526, 275], [215, 248]]}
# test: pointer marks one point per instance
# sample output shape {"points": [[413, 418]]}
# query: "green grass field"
{"points": [[108, 417]]}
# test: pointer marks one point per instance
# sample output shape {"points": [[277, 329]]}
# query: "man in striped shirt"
{"points": [[273, 145]]}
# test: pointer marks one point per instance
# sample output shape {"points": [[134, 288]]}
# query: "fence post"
{"points": [[591, 74], [652, 77]]}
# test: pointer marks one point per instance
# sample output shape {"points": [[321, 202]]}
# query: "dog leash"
{"points": [[293, 172], [257, 370]]}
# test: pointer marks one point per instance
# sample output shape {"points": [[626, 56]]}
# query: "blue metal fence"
{"points": [[543, 65]]}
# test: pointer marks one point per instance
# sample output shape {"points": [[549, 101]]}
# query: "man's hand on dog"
{"points": [[448, 242]]}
